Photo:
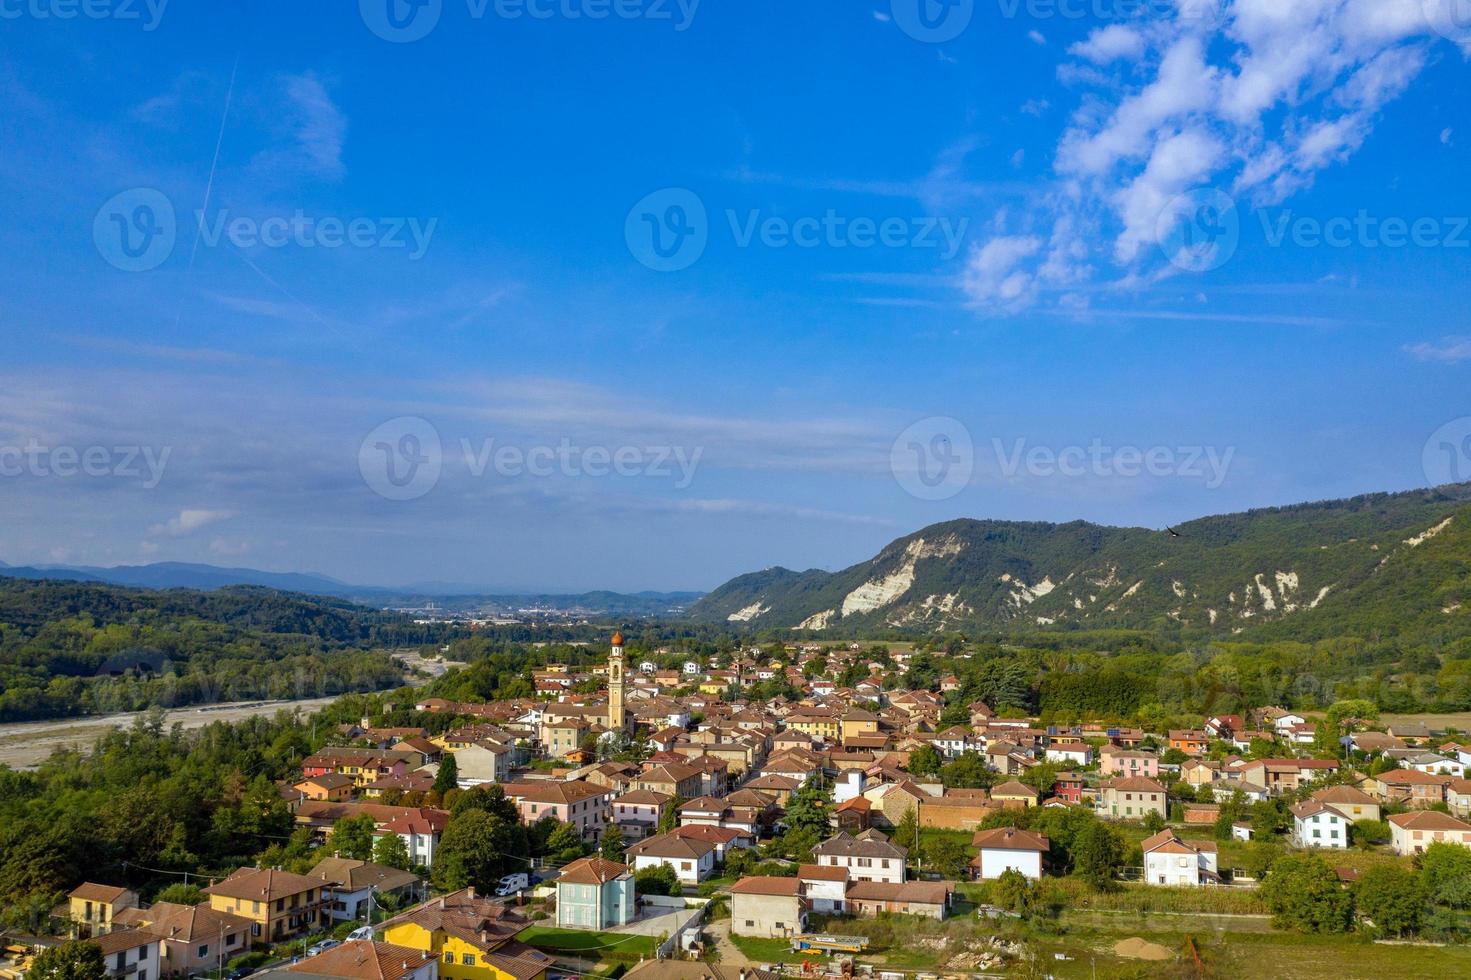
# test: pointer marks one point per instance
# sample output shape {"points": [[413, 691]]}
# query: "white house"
{"points": [[824, 888], [954, 741], [1412, 832], [647, 667], [1316, 824], [692, 860], [1437, 765], [868, 857], [850, 783], [482, 762], [1168, 860], [691, 668], [1072, 753], [1008, 848], [1286, 721], [131, 953]]}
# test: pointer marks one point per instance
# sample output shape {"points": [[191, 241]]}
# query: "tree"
{"points": [[1153, 822], [1367, 833], [1445, 870], [566, 843], [807, 811], [1098, 852], [352, 837], [391, 852], [477, 848], [948, 857], [1393, 898], [907, 833], [969, 771], [448, 776], [612, 845], [180, 893], [661, 879], [925, 761], [81, 960], [669, 818], [1305, 894], [1014, 892]]}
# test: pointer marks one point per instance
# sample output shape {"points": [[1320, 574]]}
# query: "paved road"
{"points": [[24, 745]]}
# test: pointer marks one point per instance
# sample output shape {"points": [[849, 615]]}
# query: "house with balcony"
{"points": [[471, 938], [280, 905], [1168, 860], [92, 908]]}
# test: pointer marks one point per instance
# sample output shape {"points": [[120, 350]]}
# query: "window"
{"points": [[750, 923], [449, 957], [203, 951], [468, 959]]}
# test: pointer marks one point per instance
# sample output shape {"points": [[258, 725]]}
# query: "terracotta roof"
{"points": [[870, 843], [1167, 842], [480, 922], [364, 960], [1130, 784], [120, 939], [913, 892], [1428, 820], [820, 872], [643, 797], [1013, 788], [670, 845], [1010, 839], [90, 891], [263, 885], [1343, 794], [186, 923], [767, 885], [553, 791], [519, 960], [591, 871], [355, 875]]}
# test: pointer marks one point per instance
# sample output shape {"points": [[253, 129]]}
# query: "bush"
{"points": [[659, 880], [1304, 893]]}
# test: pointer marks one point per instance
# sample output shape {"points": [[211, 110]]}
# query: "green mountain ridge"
{"points": [[1369, 563]]}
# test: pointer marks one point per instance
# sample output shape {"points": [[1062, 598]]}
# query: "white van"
{"points": [[362, 932], [511, 884]]}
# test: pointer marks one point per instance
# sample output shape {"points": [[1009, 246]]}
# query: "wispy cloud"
{"points": [[190, 520], [313, 127], [1256, 102], [1449, 350]]}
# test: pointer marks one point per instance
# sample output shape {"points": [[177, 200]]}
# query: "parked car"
{"points": [[322, 947], [361, 932]]}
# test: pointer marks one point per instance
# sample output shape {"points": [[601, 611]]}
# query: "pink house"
{"points": [[1131, 763], [578, 802]]}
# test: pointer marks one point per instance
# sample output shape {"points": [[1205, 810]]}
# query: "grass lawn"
{"points": [[1241, 953], [605, 944], [770, 950]]}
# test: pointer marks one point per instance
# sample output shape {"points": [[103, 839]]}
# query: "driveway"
{"points": [[671, 922]]}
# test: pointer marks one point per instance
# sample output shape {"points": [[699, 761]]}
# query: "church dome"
{"points": [[618, 639]]}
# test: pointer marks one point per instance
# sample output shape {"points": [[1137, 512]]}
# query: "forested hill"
{"points": [[82, 648], [1364, 566]]}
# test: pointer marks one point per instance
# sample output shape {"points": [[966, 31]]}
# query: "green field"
{"points": [[577, 941]]}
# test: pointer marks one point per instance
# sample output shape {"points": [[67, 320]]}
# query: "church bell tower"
{"points": [[617, 718]]}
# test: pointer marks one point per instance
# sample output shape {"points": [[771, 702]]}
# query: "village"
{"points": [[690, 832]]}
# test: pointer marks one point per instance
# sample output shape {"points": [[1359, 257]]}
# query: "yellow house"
{"points": [[472, 938], [859, 722], [280, 905], [713, 688], [91, 908], [823, 726]]}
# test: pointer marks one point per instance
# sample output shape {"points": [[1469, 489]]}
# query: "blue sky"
{"points": [[1065, 243]]}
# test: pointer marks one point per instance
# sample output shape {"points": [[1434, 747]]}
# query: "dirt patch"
{"points": [[1135, 948]]}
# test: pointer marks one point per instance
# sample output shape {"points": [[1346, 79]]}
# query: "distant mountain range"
{"points": [[454, 597], [1371, 565]]}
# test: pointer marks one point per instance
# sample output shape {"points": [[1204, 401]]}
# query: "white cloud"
{"points": [[190, 520], [1450, 350], [1036, 37], [1445, 137], [1256, 101], [881, 17], [312, 124], [1109, 44]]}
